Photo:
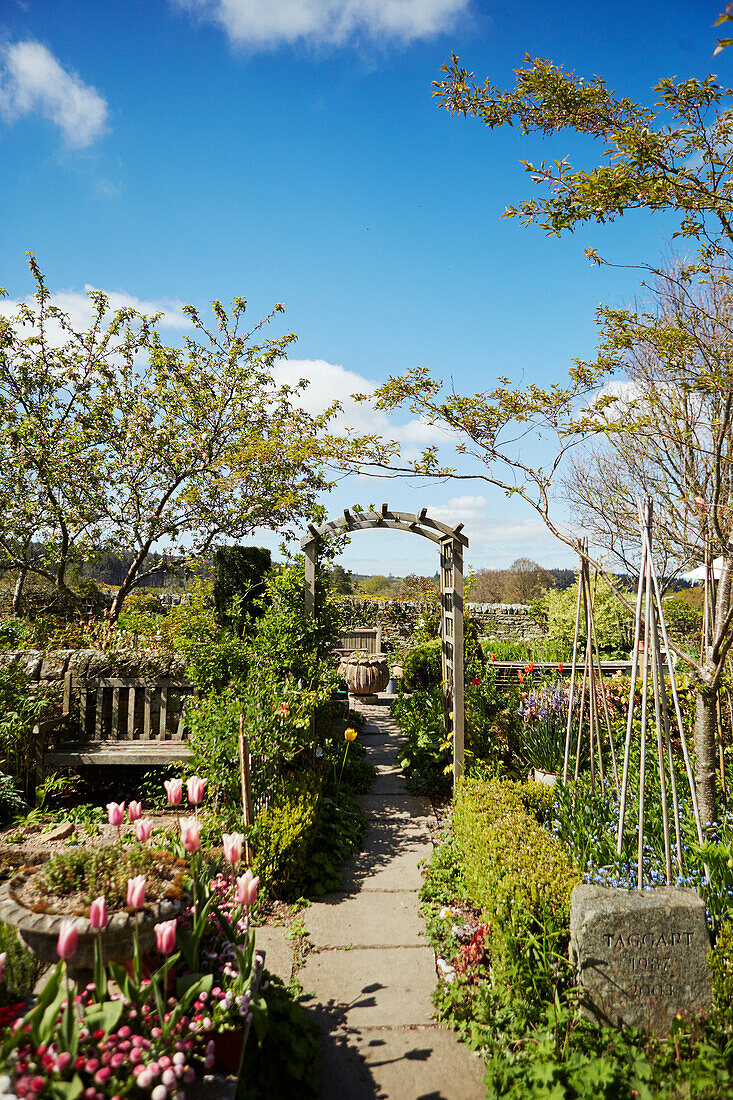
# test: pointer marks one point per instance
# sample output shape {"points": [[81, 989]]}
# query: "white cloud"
{"points": [[80, 310], [331, 382], [33, 81], [266, 24]]}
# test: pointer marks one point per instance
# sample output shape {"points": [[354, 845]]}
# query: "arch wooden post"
{"points": [[451, 542]]}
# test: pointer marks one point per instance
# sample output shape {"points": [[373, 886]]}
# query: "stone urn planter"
{"points": [[40, 930], [365, 675]]}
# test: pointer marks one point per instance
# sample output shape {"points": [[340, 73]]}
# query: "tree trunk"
{"points": [[18, 592], [705, 753]]}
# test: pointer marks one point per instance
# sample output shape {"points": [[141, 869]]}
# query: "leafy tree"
{"points": [[420, 589], [340, 580], [676, 398], [527, 580], [111, 440], [676, 155]]}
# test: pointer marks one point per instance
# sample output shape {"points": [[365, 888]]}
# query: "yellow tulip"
{"points": [[350, 733]]}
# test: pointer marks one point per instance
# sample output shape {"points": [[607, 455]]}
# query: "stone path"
{"points": [[370, 968]]}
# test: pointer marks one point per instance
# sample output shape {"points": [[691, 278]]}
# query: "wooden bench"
{"points": [[364, 639], [120, 720]]}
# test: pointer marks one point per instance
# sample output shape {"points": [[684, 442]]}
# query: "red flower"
{"points": [[493, 656], [521, 678], [284, 708], [559, 667], [475, 681]]}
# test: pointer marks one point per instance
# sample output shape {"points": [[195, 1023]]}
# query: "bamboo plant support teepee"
{"points": [[592, 685], [647, 657]]}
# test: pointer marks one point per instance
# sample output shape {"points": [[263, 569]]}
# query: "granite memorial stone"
{"points": [[641, 957]]}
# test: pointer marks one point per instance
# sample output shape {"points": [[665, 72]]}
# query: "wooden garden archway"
{"points": [[451, 543]]}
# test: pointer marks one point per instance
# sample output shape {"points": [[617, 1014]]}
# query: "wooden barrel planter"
{"points": [[365, 675]]}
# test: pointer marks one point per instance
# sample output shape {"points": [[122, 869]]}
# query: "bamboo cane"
{"points": [[571, 697]]}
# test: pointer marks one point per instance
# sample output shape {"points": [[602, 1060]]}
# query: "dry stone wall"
{"points": [[399, 618]]}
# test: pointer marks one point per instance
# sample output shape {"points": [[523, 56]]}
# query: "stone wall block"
{"points": [[640, 956], [79, 661], [54, 664]]}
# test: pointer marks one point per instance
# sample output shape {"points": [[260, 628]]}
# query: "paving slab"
{"points": [[395, 805], [366, 919], [371, 987], [387, 862], [419, 1063], [389, 782], [384, 755], [272, 939]]}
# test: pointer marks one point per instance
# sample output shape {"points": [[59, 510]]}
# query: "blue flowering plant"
{"points": [[544, 713]]}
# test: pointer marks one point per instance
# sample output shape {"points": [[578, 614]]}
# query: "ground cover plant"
{"points": [[496, 902]]}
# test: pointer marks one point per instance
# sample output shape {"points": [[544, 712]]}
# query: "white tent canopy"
{"points": [[697, 576]]}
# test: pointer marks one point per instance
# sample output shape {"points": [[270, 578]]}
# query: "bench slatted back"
{"points": [[367, 639], [123, 708]]}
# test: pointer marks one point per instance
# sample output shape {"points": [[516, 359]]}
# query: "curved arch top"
{"points": [[420, 524], [451, 542]]}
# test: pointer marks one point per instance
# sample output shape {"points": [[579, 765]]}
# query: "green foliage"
{"points": [[721, 962], [285, 1063], [290, 641], [280, 681], [614, 623], [96, 871], [111, 438], [341, 826], [684, 622], [13, 633], [12, 804], [517, 874], [22, 969], [214, 656], [423, 666], [425, 756], [285, 834], [20, 709], [239, 574]]}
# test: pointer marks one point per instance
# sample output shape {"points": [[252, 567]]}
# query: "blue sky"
{"points": [[291, 151]]}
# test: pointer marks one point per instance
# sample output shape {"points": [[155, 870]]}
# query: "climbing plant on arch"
{"points": [[451, 543]]}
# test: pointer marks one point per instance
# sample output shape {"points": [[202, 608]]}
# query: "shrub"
{"points": [[425, 755], [423, 666], [20, 709], [239, 582], [613, 622], [721, 962], [517, 874], [285, 1063], [12, 804], [13, 633], [285, 831], [22, 969]]}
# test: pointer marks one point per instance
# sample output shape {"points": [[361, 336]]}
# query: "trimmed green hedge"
{"points": [[285, 833], [518, 875]]}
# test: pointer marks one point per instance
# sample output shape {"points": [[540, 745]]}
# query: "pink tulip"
{"points": [[116, 813], [174, 790], [136, 891], [68, 940], [165, 936], [3, 960], [98, 913], [190, 834], [135, 811], [143, 829], [247, 888], [233, 846], [195, 787]]}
